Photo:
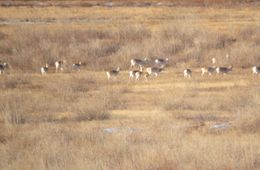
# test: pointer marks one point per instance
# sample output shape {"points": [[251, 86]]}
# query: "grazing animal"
{"points": [[256, 70], [59, 65], [209, 70], [154, 70], [224, 70], [187, 73], [138, 63], [3, 67], [161, 61], [76, 66], [213, 61], [113, 73], [136, 74], [44, 70]]}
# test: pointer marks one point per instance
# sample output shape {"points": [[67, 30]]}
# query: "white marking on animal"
{"points": [[224, 70], [154, 70], [44, 70], [113, 73], [138, 63], [161, 61], [208, 70], [256, 70], [59, 65], [76, 66], [213, 61], [187, 73], [3, 67], [136, 74]]}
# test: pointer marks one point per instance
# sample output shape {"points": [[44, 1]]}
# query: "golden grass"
{"points": [[189, 36], [153, 17], [83, 121], [163, 123]]}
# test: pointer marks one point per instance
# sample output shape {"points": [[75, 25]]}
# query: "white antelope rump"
{"points": [[161, 61], [207, 70], [154, 70], [44, 70], [76, 66], [3, 67], [113, 73], [213, 61], [187, 73], [256, 70], [224, 70], [59, 65], [136, 74], [138, 63]]}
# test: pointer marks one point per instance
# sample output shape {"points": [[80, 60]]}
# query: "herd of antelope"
{"points": [[59, 67], [139, 68], [142, 67]]}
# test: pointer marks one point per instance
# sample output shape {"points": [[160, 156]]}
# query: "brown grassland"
{"points": [[83, 121]]}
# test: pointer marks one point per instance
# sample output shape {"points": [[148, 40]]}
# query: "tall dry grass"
{"points": [[28, 50], [59, 121], [25, 100], [83, 121]]}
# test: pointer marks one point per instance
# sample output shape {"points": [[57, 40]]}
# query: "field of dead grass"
{"points": [[83, 121], [106, 37]]}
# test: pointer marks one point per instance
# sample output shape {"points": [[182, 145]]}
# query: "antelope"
{"points": [[138, 62], [137, 74], [213, 61], [59, 65], [154, 70], [113, 73], [44, 69], [187, 73], [161, 61], [256, 70], [3, 67], [208, 70], [76, 66], [224, 70]]}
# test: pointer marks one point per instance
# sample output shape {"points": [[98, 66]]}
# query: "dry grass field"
{"points": [[84, 121]]}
